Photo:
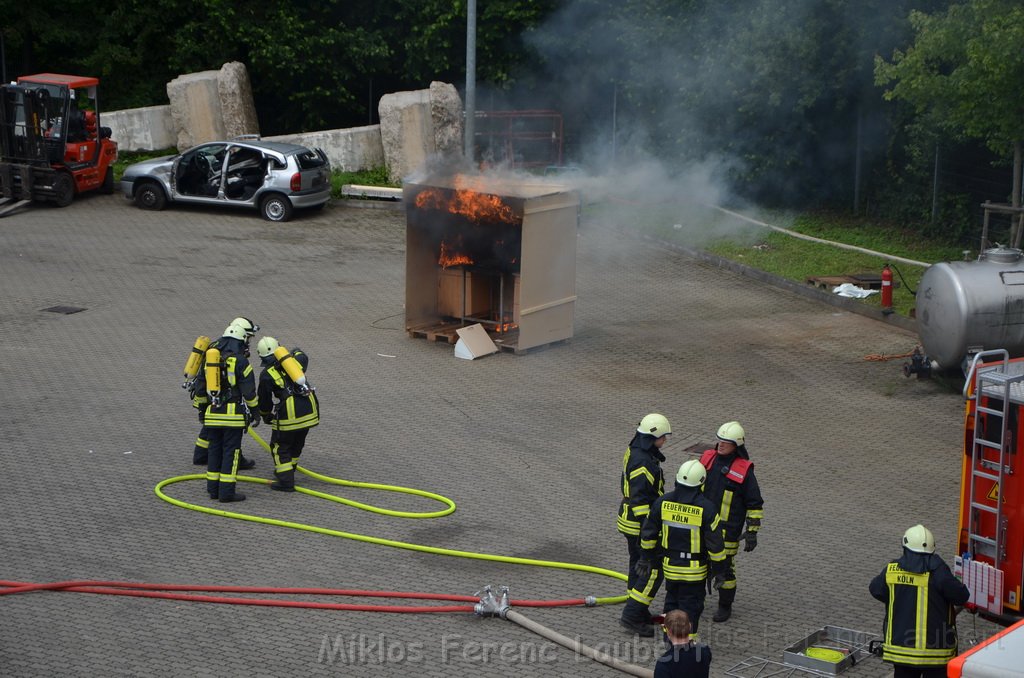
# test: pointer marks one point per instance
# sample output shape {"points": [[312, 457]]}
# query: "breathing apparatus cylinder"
{"points": [[292, 368], [195, 359], [213, 366]]}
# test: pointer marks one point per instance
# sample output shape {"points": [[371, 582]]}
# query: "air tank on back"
{"points": [[967, 306]]}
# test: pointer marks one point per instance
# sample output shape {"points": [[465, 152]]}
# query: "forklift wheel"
{"points": [[108, 182], [63, 189]]}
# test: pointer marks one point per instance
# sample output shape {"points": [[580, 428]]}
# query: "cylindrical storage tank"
{"points": [[968, 306]]}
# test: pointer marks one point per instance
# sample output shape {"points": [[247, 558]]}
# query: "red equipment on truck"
{"points": [[51, 142], [991, 527]]}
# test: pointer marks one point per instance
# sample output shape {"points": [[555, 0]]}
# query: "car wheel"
{"points": [[276, 207], [108, 182], [149, 196], [63, 189]]}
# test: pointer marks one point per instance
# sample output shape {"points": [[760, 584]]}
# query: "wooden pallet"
{"points": [[443, 332]]}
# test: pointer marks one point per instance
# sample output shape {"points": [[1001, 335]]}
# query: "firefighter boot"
{"points": [[724, 611], [285, 480], [245, 464], [635, 618]]}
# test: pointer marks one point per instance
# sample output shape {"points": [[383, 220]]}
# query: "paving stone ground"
{"points": [[849, 452]]}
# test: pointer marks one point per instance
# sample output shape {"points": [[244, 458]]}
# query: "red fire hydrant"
{"points": [[886, 289]]}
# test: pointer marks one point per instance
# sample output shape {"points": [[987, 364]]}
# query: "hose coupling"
{"points": [[489, 606], [590, 601]]}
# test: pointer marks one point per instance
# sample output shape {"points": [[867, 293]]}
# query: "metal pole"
{"points": [[469, 143], [615, 111], [856, 167]]}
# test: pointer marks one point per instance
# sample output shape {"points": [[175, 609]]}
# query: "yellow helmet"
{"points": [[235, 332], [266, 347], [731, 432], [692, 473], [249, 327], [919, 539], [654, 425]]}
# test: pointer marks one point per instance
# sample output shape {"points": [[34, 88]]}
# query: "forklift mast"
{"points": [[33, 119]]}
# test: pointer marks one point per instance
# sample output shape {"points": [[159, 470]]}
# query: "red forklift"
{"points": [[51, 143]]}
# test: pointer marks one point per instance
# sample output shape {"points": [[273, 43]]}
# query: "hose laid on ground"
{"points": [[577, 647], [187, 592]]}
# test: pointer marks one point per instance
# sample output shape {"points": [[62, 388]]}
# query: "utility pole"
{"points": [[469, 143]]}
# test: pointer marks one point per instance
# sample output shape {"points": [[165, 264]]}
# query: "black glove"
{"points": [[202, 416], [643, 568], [254, 418], [715, 582], [751, 539], [267, 419]]}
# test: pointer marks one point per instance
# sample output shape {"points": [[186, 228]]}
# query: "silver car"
{"points": [[276, 178]]}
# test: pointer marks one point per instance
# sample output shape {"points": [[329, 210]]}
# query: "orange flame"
{"points": [[467, 202], [501, 328], [451, 257]]}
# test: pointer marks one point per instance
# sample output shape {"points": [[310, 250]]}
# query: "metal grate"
{"points": [[65, 310]]}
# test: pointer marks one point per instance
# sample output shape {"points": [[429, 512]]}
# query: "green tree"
{"points": [[963, 74]]}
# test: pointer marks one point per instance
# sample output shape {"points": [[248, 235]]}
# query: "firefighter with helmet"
{"points": [[229, 385], [200, 401], [682, 536], [296, 412], [732, 487], [641, 483], [921, 596]]}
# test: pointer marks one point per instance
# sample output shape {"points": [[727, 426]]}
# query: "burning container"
{"points": [[967, 306], [495, 252]]}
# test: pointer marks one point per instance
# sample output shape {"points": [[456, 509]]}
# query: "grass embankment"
{"points": [[796, 259]]}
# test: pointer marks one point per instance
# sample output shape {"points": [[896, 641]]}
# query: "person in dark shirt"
{"points": [[686, 658]]}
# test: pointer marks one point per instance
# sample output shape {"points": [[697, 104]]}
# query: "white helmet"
{"points": [[692, 473], [266, 347], [235, 332], [249, 327], [919, 539], [654, 425], [731, 432]]}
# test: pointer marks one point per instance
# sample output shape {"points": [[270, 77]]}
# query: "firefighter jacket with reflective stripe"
{"points": [[641, 482], [919, 592], [293, 411], [732, 487], [238, 388], [684, 528]]}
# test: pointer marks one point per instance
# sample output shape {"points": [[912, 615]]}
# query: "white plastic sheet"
{"points": [[852, 291]]}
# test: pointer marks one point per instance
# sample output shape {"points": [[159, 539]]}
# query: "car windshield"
{"points": [[309, 160]]}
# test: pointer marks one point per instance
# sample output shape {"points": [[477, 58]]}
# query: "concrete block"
{"points": [[406, 132], [238, 109], [141, 129], [349, 150], [196, 108], [446, 117]]}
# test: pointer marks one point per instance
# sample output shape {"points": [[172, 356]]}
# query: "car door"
{"points": [[199, 172]]}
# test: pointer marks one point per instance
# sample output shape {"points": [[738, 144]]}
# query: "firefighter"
{"points": [[683, 536], [200, 401], [232, 408], [732, 487], [297, 409], [642, 482], [921, 597]]}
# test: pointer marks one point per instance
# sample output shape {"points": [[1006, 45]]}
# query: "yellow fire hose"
{"points": [[449, 508]]}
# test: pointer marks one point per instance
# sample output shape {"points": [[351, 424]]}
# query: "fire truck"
{"points": [[991, 525], [52, 146]]}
